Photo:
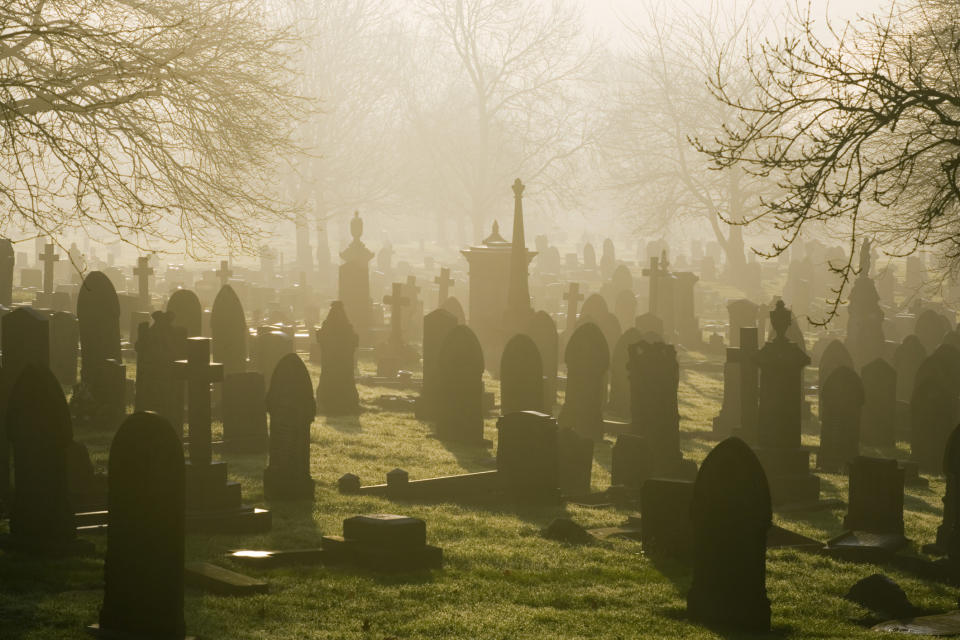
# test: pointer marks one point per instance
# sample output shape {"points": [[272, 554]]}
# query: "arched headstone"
{"points": [[587, 357], [930, 329], [290, 403], [98, 312], [907, 359], [143, 591], [244, 412], [619, 403], [521, 376], [437, 325], [543, 331], [460, 388], [228, 329], [337, 389], [878, 424], [841, 403], [731, 516], [187, 311]]}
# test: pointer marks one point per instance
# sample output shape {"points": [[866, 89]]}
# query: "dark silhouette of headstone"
{"points": [[460, 387], [876, 496], [245, 412], [102, 374], [575, 466], [743, 314], [950, 526], [452, 306], [142, 272], [749, 385], [907, 359], [224, 273], [187, 311], [595, 307], [930, 329], [437, 325], [64, 347], [655, 415], [878, 421], [158, 388], [543, 331], [841, 404], [865, 338], [7, 261], [665, 509], [444, 282], [228, 329], [573, 297], [629, 461], [934, 407], [729, 417], [528, 456], [40, 433], [291, 405], [143, 571], [394, 354], [521, 376], [337, 390], [587, 357], [272, 344], [49, 259], [786, 462], [619, 402], [731, 515], [834, 356], [625, 308]]}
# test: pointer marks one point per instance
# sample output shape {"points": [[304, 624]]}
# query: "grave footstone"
{"points": [[383, 542], [143, 570], [731, 515], [290, 403], [841, 405], [337, 389], [521, 376], [587, 357]]}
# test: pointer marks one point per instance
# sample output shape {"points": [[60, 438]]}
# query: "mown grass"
{"points": [[500, 578]]}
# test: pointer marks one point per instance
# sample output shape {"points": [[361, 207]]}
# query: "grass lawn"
{"points": [[500, 578]]}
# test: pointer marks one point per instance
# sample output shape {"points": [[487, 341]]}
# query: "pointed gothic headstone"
{"points": [[228, 329], [337, 390], [587, 357], [291, 405], [521, 376], [460, 388]]}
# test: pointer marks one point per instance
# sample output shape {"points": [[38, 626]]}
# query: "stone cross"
{"points": [[224, 272], [412, 288], [445, 282], [199, 372], [573, 298], [396, 301], [48, 257], [143, 273]]}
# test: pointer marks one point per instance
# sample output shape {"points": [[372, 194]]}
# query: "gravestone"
{"points": [[543, 331], [528, 456], [742, 313], [395, 354], [452, 306], [876, 496], [865, 338], [589, 257], [667, 529], [575, 465], [437, 325], [841, 403], [731, 515], [187, 311], [650, 326], [158, 387], [444, 282], [619, 402], [595, 307], [654, 409], [521, 376], [573, 298], [625, 308], [878, 422], [228, 330], [934, 406], [291, 405], [64, 347], [354, 278], [930, 329], [272, 345], [947, 531], [244, 412], [587, 357], [7, 262], [780, 412], [41, 436], [142, 272], [337, 389], [907, 359], [729, 417], [98, 312], [629, 462], [749, 385], [143, 569], [833, 357], [460, 387]]}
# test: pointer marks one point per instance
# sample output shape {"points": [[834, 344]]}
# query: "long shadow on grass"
{"points": [[680, 614], [345, 424]]}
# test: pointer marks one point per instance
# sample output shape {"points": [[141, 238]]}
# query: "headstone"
{"points": [[876, 496], [158, 387], [48, 258], [64, 347], [98, 312], [272, 345], [742, 313], [460, 387], [625, 308], [528, 456], [933, 412], [780, 412], [731, 515], [575, 464], [667, 530], [878, 422], [143, 272], [7, 262], [573, 298], [841, 404], [40, 433], [244, 412], [437, 325], [291, 405], [930, 329], [587, 358], [619, 402], [543, 331], [452, 306], [521, 376], [947, 531], [228, 330], [729, 417], [143, 570], [444, 282], [749, 385], [865, 323], [187, 311], [337, 390], [907, 359]]}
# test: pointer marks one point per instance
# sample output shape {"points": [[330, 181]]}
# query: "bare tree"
{"points": [[661, 101], [506, 77], [858, 125], [154, 122]]}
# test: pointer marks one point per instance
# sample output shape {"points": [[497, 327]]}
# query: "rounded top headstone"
{"points": [[97, 296], [588, 348]]}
